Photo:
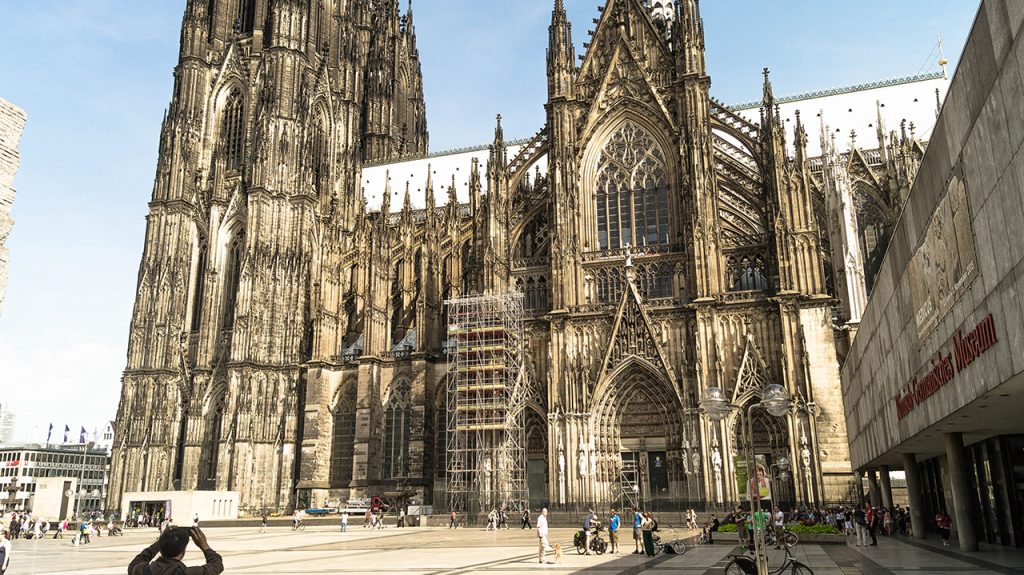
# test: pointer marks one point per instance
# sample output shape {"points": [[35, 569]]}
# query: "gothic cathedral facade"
{"points": [[288, 342]]}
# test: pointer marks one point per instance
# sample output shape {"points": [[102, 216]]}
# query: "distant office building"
{"points": [[6, 425], [32, 462]]}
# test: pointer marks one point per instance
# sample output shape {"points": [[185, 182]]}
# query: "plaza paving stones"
{"points": [[430, 551]]}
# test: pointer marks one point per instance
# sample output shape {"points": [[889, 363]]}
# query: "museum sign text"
{"points": [[945, 367]]}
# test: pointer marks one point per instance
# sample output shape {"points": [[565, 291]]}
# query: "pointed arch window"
{"points": [[318, 155], [199, 292], [397, 432], [233, 130], [234, 277], [213, 438], [343, 447], [632, 190]]}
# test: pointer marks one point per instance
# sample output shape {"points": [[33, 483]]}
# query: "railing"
{"points": [[524, 263], [636, 252], [526, 152]]}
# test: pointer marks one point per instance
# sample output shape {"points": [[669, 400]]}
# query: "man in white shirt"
{"points": [[779, 521], [542, 535]]}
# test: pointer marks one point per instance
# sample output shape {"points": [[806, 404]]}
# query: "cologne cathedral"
{"points": [[288, 337]]}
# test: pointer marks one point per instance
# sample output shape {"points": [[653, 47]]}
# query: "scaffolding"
{"points": [[486, 399]]}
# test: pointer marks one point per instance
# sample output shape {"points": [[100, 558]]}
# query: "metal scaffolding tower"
{"points": [[486, 398]]}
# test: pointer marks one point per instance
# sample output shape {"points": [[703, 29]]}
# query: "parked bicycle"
{"points": [[745, 564], [669, 543], [789, 539]]}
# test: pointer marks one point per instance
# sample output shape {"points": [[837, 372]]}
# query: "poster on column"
{"points": [[760, 485]]}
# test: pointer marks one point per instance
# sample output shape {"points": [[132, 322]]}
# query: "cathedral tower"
{"points": [[276, 106]]}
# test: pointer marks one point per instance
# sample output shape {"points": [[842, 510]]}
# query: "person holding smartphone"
{"points": [[171, 546]]}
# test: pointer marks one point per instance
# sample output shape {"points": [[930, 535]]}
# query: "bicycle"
{"points": [[298, 526], [789, 539], [669, 544], [744, 564], [597, 544]]}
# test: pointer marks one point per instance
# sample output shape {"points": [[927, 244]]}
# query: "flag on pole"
{"points": [[67, 430], [49, 434], [81, 436]]}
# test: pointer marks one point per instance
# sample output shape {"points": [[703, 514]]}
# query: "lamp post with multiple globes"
{"points": [[777, 402]]}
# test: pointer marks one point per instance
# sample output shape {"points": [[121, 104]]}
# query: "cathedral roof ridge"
{"points": [[899, 80], [442, 153]]}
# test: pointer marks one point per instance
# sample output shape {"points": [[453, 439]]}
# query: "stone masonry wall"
{"points": [[12, 122], [981, 130]]}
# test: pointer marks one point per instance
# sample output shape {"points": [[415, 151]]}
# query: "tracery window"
{"points": [[535, 292], [233, 130], [318, 155], [746, 273], [653, 281], [200, 289], [233, 278], [343, 447], [632, 190], [397, 431]]}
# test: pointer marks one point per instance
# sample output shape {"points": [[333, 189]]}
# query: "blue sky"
{"points": [[95, 77]]}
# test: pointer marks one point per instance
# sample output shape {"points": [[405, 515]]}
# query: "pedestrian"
{"points": [[344, 522], [165, 525], [741, 526], [368, 518], [5, 551], [492, 520], [171, 545], [59, 532], [588, 525], [873, 519], [526, 519], [637, 530], [453, 523], [542, 536], [401, 518], [711, 528], [860, 522], [263, 522], [648, 526], [502, 518], [779, 520], [944, 522], [84, 532], [613, 531]]}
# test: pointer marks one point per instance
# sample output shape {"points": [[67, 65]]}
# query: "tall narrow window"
{"points": [[632, 190], [397, 428], [246, 16], [233, 130], [318, 155], [234, 276], [200, 289], [398, 304], [213, 436], [343, 448]]}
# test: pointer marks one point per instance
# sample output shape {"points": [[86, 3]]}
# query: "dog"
{"points": [[558, 553]]}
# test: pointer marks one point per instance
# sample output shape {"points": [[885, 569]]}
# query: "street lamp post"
{"points": [[777, 402], [81, 478]]}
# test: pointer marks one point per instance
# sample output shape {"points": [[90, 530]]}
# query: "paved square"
{"points": [[423, 551]]}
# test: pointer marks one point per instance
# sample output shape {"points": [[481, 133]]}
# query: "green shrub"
{"points": [[798, 529]]}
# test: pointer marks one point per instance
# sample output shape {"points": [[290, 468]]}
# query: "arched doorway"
{"points": [[639, 436], [536, 458]]}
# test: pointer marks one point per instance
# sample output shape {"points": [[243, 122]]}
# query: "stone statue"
{"points": [[583, 462], [561, 462], [716, 461], [686, 463]]}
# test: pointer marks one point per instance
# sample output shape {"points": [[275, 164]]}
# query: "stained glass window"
{"points": [[632, 190]]}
